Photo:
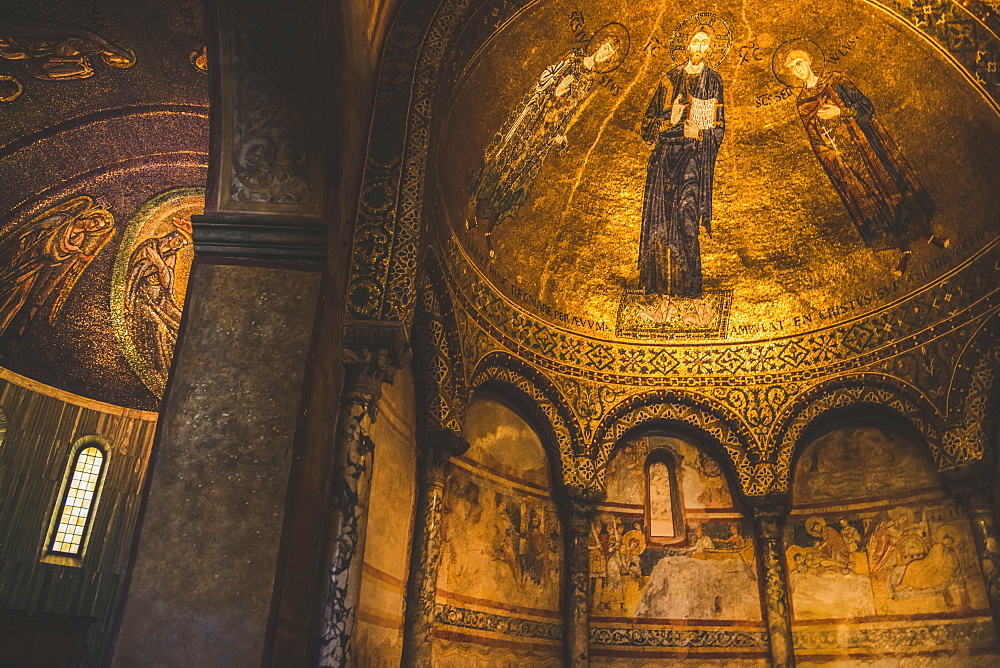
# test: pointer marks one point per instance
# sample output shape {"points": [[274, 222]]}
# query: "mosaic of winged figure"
{"points": [[152, 313], [41, 265], [51, 51]]}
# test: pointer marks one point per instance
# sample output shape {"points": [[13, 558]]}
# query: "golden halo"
{"points": [[713, 25], [781, 72], [621, 40]]}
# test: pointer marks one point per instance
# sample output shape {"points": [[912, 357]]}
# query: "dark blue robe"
{"points": [[678, 195]]}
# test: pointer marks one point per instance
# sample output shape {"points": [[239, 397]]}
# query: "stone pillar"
{"points": [[576, 633], [973, 490], [434, 448], [769, 523], [347, 502]]}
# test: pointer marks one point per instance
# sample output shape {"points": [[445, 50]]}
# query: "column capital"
{"points": [[447, 442], [434, 448], [365, 371], [582, 502], [971, 483], [770, 513]]}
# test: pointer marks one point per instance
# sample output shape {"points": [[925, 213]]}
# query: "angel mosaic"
{"points": [[42, 264], [152, 313], [879, 189], [541, 121], [55, 52]]}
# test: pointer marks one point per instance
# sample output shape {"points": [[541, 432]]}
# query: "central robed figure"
{"points": [[686, 121]]}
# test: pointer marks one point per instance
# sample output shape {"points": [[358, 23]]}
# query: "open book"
{"points": [[703, 113]]}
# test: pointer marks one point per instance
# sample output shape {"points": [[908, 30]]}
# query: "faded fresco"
{"points": [[105, 111], [707, 173], [881, 562], [501, 565], [692, 596], [378, 638]]}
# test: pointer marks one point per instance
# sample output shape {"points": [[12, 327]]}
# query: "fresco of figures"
{"points": [[501, 565], [873, 536], [671, 558]]}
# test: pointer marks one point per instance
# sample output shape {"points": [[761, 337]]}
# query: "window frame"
{"points": [[661, 455], [76, 450]]}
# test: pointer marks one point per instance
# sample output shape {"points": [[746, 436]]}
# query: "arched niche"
{"points": [[378, 639], [500, 576], [881, 561], [681, 599]]}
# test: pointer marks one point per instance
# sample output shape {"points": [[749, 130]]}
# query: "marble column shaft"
{"points": [[347, 503], [576, 642], [769, 522], [434, 448], [974, 494]]}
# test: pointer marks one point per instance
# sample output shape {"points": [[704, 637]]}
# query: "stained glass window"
{"points": [[78, 502]]}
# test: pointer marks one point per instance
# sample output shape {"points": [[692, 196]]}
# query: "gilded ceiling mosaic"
{"points": [[103, 157], [652, 172], [738, 219]]}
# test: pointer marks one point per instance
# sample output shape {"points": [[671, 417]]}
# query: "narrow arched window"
{"points": [[664, 519], [81, 489]]}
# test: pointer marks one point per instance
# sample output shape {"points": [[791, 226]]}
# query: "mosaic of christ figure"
{"points": [[685, 121]]}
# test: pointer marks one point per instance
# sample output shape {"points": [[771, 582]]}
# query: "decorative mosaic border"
{"points": [[667, 637], [963, 634], [838, 349], [449, 615]]}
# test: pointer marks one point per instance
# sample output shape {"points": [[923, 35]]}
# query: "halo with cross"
{"points": [[713, 26]]}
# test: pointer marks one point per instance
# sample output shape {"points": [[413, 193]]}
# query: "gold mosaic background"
{"points": [[782, 240]]}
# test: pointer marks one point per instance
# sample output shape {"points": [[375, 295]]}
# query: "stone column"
{"points": [[973, 490], [576, 640], [347, 502], [769, 523], [434, 448]]}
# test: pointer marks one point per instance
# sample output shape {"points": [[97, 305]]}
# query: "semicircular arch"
{"points": [[692, 412], [842, 394], [545, 407]]}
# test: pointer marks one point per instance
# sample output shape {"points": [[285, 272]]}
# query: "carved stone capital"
{"points": [[582, 505], [434, 448], [769, 514], [366, 370]]}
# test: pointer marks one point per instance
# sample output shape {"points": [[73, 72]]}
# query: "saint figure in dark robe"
{"points": [[685, 121], [511, 163], [880, 191]]}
